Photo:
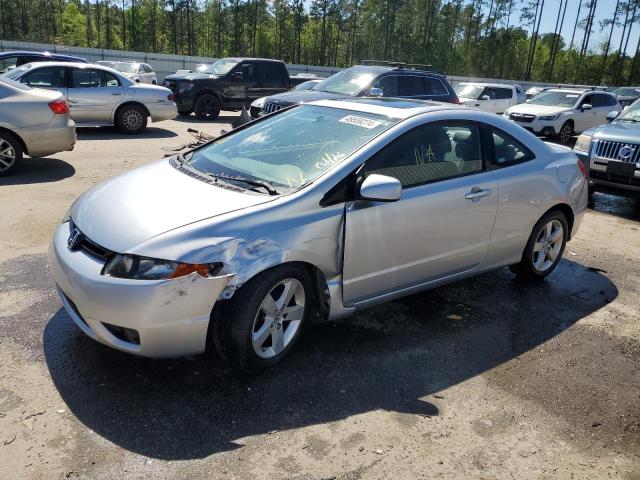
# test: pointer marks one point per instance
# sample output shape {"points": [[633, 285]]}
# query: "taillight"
{"points": [[456, 100], [170, 97], [582, 168], [58, 107]]}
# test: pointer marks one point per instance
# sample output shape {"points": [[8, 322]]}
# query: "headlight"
{"points": [[185, 86], [259, 103], [583, 143], [144, 268], [549, 117]]}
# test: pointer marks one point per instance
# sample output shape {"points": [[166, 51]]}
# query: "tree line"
{"points": [[483, 38]]}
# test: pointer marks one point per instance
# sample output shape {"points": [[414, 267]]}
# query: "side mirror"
{"points": [[612, 115], [586, 106], [376, 92], [485, 97], [380, 188]]}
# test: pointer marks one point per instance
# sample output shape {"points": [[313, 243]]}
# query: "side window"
{"points": [[108, 80], [433, 86], [429, 153], [30, 59], [504, 93], [48, 77], [410, 86], [271, 73], [249, 72], [8, 63], [147, 69], [612, 101], [388, 85], [587, 99], [508, 150], [89, 78]]}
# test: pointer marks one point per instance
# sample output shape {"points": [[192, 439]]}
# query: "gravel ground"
{"points": [[487, 378]]}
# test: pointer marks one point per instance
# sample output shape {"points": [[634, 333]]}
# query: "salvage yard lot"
{"points": [[488, 378]]}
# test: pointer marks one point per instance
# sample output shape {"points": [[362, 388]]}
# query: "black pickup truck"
{"points": [[228, 84]]}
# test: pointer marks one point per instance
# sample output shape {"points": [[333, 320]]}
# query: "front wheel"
{"points": [[131, 119], [10, 153], [262, 322], [207, 107], [565, 133], [544, 248]]}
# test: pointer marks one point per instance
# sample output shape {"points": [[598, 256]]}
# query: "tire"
{"points": [[207, 107], [565, 133], [153, 82], [185, 113], [10, 153], [131, 119], [542, 254], [246, 336]]}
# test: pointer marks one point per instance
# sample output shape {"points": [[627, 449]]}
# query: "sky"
{"points": [[604, 10]]}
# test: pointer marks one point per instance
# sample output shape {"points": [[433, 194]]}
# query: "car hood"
{"points": [[191, 76], [302, 96], [531, 109], [617, 132], [133, 207]]}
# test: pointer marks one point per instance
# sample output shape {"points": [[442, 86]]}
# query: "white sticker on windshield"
{"points": [[571, 95], [360, 121]]}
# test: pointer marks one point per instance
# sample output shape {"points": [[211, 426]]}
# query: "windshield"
{"points": [[469, 91], [202, 68], [631, 114], [221, 67], [291, 148], [347, 82], [628, 92], [555, 99], [126, 67], [15, 73]]}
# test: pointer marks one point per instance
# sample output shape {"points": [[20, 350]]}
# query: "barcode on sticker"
{"points": [[360, 121]]}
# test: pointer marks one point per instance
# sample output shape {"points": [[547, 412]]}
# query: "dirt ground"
{"points": [[488, 378]]}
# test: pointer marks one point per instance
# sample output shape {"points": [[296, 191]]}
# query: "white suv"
{"points": [[492, 97], [563, 112]]}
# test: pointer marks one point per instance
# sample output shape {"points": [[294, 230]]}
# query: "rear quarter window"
{"points": [[434, 86]]}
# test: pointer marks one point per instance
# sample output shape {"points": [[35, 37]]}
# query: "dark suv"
{"points": [[396, 80], [11, 60]]}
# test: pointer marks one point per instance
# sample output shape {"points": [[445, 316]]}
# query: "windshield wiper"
{"points": [[183, 157], [255, 183], [628, 120]]}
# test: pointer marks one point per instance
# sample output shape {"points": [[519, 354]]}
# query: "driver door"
{"points": [[440, 227]]}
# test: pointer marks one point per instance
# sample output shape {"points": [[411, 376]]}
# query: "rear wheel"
{"points": [[565, 133], [262, 322], [10, 153], [544, 248], [207, 107], [131, 119]]}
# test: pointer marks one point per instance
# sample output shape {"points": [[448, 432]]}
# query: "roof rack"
{"points": [[386, 63], [582, 87]]}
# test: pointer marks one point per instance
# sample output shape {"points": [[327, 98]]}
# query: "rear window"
{"points": [[14, 84], [434, 86]]}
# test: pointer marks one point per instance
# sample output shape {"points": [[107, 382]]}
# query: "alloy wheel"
{"points": [[547, 246], [565, 133], [7, 155], [132, 120], [278, 318]]}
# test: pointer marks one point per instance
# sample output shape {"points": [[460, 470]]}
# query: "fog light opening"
{"points": [[128, 335]]}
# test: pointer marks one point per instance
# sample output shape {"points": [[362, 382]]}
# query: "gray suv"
{"points": [[611, 153]]}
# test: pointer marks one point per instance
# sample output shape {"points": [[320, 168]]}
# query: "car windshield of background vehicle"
{"points": [[347, 82], [628, 92], [221, 67], [555, 99], [14, 73], [127, 67], [469, 91], [292, 148], [631, 114]]}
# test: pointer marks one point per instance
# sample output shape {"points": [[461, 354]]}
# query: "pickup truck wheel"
{"points": [[544, 248], [263, 321], [207, 107], [10, 153]]}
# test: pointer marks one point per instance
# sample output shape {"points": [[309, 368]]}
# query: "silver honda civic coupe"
{"points": [[316, 211]]}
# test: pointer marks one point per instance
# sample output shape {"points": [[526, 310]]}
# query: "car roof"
{"points": [[484, 84], [64, 64], [38, 54], [244, 59], [390, 107]]}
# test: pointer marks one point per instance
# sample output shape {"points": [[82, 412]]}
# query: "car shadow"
{"points": [[623, 207], [111, 133], [394, 357], [39, 170], [224, 117]]}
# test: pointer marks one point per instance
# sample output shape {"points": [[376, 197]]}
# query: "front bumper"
{"points": [[537, 126], [602, 181], [170, 317]]}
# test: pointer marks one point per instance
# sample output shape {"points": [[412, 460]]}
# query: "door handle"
{"points": [[477, 193], [116, 93]]}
